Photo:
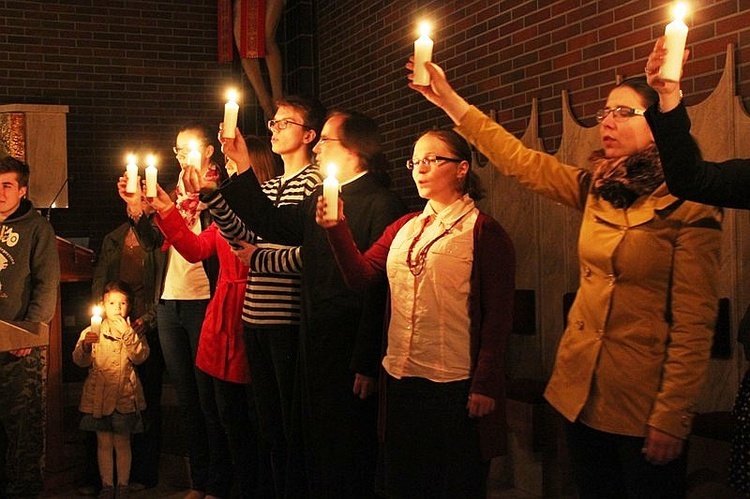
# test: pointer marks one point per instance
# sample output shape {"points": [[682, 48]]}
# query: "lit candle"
{"points": [[230, 114], [151, 177], [96, 321], [331, 193], [422, 55], [675, 35], [131, 171], [194, 156]]}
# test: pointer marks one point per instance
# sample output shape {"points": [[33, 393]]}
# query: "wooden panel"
{"points": [[76, 265], [42, 129]]}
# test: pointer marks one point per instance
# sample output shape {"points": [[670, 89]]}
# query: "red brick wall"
{"points": [[132, 72], [130, 77], [501, 54]]}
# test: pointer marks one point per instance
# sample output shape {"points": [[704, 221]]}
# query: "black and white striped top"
{"points": [[272, 293]]}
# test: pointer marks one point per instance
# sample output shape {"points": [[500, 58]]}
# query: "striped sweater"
{"points": [[272, 293]]}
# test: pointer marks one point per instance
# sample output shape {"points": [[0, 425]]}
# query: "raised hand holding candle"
{"points": [[151, 174], [194, 156], [231, 109], [675, 36], [331, 193], [131, 171], [422, 55]]}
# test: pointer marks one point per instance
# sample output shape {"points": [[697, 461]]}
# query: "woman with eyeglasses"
{"points": [[335, 411], [632, 360], [451, 272]]}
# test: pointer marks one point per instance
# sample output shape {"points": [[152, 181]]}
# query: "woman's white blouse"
{"points": [[428, 335]]}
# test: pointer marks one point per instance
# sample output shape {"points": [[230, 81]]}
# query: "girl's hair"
{"points": [[642, 88], [119, 287], [262, 159], [360, 134], [460, 149]]}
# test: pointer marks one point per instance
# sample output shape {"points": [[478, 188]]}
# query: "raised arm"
{"points": [[687, 175]]}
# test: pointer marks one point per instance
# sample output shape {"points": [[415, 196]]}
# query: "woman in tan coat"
{"points": [[633, 357]]}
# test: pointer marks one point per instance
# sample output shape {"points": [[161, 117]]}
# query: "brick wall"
{"points": [[501, 54], [132, 72]]}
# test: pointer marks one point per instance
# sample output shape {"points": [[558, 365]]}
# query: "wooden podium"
{"points": [[18, 335], [76, 265]]}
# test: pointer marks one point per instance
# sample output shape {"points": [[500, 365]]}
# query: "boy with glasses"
{"points": [[271, 311]]}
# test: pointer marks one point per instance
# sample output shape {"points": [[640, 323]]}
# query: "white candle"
{"points": [[131, 171], [675, 36], [151, 174], [96, 320], [194, 156], [230, 115], [422, 55], [331, 193]]}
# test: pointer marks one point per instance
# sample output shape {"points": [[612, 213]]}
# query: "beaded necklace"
{"points": [[417, 266]]}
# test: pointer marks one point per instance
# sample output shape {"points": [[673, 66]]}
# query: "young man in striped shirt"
{"points": [[271, 310]]}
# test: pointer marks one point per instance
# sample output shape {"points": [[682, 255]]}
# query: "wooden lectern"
{"points": [[76, 265], [18, 335]]}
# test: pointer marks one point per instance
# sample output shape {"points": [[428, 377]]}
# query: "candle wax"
{"points": [[230, 119], [675, 36], [422, 55], [331, 197], [151, 174], [132, 173]]}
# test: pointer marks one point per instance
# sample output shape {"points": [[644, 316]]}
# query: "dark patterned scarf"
{"points": [[623, 180]]}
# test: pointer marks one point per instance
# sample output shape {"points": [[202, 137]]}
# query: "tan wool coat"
{"points": [[112, 383], [639, 333]]}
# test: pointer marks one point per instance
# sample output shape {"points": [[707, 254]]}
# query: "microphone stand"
{"points": [[49, 209]]}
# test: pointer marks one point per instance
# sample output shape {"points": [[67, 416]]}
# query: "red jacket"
{"points": [[221, 348]]}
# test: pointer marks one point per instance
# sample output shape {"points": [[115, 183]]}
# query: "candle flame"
{"points": [[151, 160], [232, 95], [97, 310], [424, 28], [332, 170], [131, 158], [680, 10], [193, 145]]}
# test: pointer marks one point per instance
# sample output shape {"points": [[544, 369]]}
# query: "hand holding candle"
{"points": [[131, 171], [151, 174], [231, 109], [422, 55], [675, 36], [331, 193]]}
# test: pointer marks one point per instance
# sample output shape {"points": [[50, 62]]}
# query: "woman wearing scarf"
{"points": [[632, 360]]}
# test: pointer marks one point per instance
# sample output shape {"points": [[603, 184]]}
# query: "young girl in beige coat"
{"points": [[112, 394]]}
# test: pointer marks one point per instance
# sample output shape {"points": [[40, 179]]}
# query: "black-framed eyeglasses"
{"points": [[282, 124], [430, 160], [619, 113]]}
